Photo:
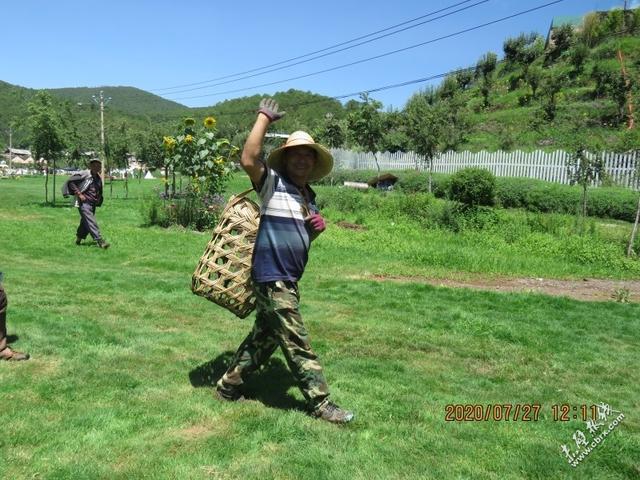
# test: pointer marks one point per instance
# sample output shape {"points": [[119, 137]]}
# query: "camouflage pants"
{"points": [[278, 323]]}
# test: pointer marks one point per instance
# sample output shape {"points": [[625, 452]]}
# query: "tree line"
{"points": [[540, 89]]}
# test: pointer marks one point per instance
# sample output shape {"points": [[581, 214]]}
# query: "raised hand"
{"points": [[269, 107]]}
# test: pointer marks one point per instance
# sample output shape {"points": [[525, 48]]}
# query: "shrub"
{"points": [[510, 192], [339, 176], [524, 99], [539, 196], [410, 181], [200, 212], [473, 186]]}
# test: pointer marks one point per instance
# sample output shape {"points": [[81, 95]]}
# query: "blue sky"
{"points": [[154, 45]]}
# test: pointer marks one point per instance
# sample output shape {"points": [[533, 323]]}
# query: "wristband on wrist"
{"points": [[267, 113]]}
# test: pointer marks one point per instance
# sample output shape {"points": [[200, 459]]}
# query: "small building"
{"points": [[18, 156]]}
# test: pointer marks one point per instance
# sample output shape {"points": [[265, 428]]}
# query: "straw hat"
{"points": [[324, 160]]}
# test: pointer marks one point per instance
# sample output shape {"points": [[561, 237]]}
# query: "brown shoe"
{"points": [[103, 244], [228, 396], [12, 355], [330, 412], [78, 240]]}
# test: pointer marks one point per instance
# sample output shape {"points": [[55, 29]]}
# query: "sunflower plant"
{"points": [[207, 161], [201, 155]]}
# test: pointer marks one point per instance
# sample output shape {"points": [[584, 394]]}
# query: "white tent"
{"points": [[148, 176]]}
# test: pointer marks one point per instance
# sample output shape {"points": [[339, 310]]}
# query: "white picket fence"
{"points": [[549, 166]]}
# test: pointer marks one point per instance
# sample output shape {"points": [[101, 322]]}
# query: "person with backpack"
{"points": [[86, 186], [289, 222]]}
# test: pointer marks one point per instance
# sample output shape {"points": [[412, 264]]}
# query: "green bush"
{"points": [[510, 192], [411, 181], [473, 187], [339, 176], [199, 212], [539, 196]]}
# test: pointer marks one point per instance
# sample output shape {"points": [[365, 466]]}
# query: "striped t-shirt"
{"points": [[282, 244]]}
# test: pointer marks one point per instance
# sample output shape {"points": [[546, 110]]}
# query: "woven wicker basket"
{"points": [[223, 274]]}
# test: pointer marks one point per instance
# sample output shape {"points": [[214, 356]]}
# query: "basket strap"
{"points": [[243, 194], [235, 199]]}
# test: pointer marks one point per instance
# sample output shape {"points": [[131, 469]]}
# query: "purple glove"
{"points": [[316, 224], [269, 107]]}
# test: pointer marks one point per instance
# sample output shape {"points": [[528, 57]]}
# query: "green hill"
{"points": [[128, 100], [538, 96], [589, 103]]}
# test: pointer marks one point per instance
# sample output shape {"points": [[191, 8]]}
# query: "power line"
{"points": [[326, 54], [389, 87], [324, 49], [393, 52]]}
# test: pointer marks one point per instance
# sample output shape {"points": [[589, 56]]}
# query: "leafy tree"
{"points": [[512, 47], [464, 78], [331, 132], [534, 77], [148, 148], [395, 138], [591, 31], [613, 22], [448, 88], [517, 50], [117, 151], [426, 125], [74, 141], [531, 52], [365, 124], [578, 56], [46, 135], [620, 89], [486, 65], [603, 79], [562, 39], [611, 82], [583, 168], [636, 183], [485, 69], [551, 85]]}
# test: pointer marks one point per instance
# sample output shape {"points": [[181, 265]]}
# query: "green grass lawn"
{"points": [[125, 357]]}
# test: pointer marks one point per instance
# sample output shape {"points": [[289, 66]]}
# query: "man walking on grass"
{"points": [[87, 188], [289, 221]]}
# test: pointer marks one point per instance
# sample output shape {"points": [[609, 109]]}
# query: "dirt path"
{"points": [[588, 289]]}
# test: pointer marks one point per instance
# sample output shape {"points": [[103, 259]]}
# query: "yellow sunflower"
{"points": [[168, 142], [188, 139], [209, 122]]}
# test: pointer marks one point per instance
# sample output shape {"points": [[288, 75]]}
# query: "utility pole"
{"points": [[10, 146], [101, 101]]}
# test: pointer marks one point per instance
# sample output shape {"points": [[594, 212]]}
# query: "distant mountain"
{"points": [[138, 111], [129, 100]]}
